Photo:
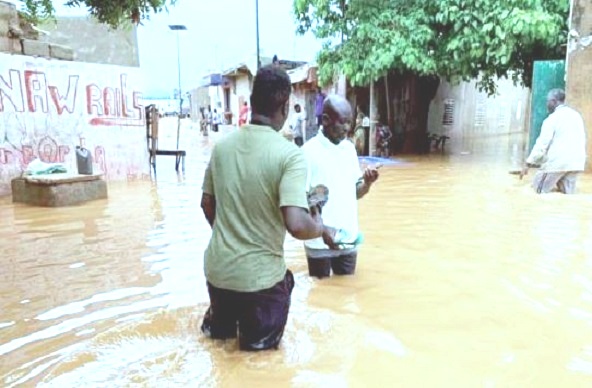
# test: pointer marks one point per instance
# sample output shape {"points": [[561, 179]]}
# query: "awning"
{"points": [[234, 71], [213, 80]]}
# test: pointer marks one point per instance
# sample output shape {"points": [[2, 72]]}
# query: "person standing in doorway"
{"points": [[243, 114], [333, 162], [560, 149], [253, 192], [319, 106], [297, 126]]}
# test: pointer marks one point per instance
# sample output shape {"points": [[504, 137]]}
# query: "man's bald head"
{"points": [[336, 105], [337, 118]]}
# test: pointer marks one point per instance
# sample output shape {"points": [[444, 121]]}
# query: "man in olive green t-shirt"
{"points": [[254, 190]]}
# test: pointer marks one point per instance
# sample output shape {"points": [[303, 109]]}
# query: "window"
{"points": [[480, 114], [448, 119]]}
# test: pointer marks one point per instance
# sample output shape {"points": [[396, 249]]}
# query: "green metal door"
{"points": [[546, 75]]}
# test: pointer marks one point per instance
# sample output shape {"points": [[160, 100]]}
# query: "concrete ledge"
{"points": [[59, 51], [35, 48], [58, 189], [57, 179]]}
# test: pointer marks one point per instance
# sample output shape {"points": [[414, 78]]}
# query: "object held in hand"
{"points": [[349, 244], [318, 197]]}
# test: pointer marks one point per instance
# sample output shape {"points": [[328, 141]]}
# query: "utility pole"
{"points": [[257, 32], [176, 28]]}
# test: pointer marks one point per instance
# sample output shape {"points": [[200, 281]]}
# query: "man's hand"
{"points": [[316, 213], [371, 175], [524, 171], [525, 168], [328, 232], [329, 237]]}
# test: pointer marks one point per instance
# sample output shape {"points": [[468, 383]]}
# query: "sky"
{"points": [[220, 33]]}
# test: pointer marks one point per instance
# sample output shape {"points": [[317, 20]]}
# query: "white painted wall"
{"points": [[242, 89], [477, 113], [47, 106], [476, 116]]}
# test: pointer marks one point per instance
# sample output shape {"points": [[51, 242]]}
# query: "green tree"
{"points": [[418, 41], [111, 12]]}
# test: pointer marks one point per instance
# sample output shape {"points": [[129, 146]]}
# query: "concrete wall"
{"points": [[94, 42], [18, 37], [9, 25], [469, 116], [200, 98], [204, 96], [240, 92], [579, 65], [68, 38], [48, 106], [216, 94]]}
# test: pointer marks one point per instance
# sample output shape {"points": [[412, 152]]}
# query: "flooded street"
{"points": [[466, 279]]}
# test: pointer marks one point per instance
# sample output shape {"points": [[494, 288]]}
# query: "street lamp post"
{"points": [[177, 28], [257, 32]]}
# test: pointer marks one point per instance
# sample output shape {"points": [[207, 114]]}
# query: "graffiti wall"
{"points": [[48, 107]]}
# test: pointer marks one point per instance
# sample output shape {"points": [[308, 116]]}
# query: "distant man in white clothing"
{"points": [[334, 163], [296, 126], [560, 149]]}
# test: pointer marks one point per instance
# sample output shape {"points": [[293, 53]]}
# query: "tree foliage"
{"points": [[453, 39], [111, 12]]}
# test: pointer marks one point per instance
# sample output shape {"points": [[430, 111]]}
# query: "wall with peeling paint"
{"points": [[47, 107], [579, 65]]}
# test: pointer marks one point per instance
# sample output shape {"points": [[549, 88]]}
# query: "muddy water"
{"points": [[466, 279]]}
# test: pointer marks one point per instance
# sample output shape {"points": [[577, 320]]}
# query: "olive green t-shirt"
{"points": [[252, 173]]}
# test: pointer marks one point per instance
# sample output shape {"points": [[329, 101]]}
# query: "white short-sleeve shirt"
{"points": [[337, 167]]}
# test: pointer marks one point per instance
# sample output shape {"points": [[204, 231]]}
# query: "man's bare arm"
{"points": [[208, 205], [370, 176], [361, 189], [301, 224]]}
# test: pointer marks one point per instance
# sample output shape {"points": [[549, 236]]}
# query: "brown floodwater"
{"points": [[466, 279]]}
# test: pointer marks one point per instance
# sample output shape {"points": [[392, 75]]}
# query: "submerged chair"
{"points": [[152, 118]]}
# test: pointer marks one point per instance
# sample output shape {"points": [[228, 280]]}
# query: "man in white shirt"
{"points": [[334, 163], [560, 149], [296, 126], [216, 120]]}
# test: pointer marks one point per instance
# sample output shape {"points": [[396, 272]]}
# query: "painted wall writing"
{"points": [[48, 107]]}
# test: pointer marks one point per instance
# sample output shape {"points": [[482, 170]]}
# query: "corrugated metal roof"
{"points": [[306, 73]]}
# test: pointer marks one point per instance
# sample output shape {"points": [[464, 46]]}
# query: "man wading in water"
{"points": [[560, 149], [253, 191], [334, 162]]}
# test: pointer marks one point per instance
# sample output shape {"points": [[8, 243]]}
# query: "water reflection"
{"points": [[466, 279]]}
